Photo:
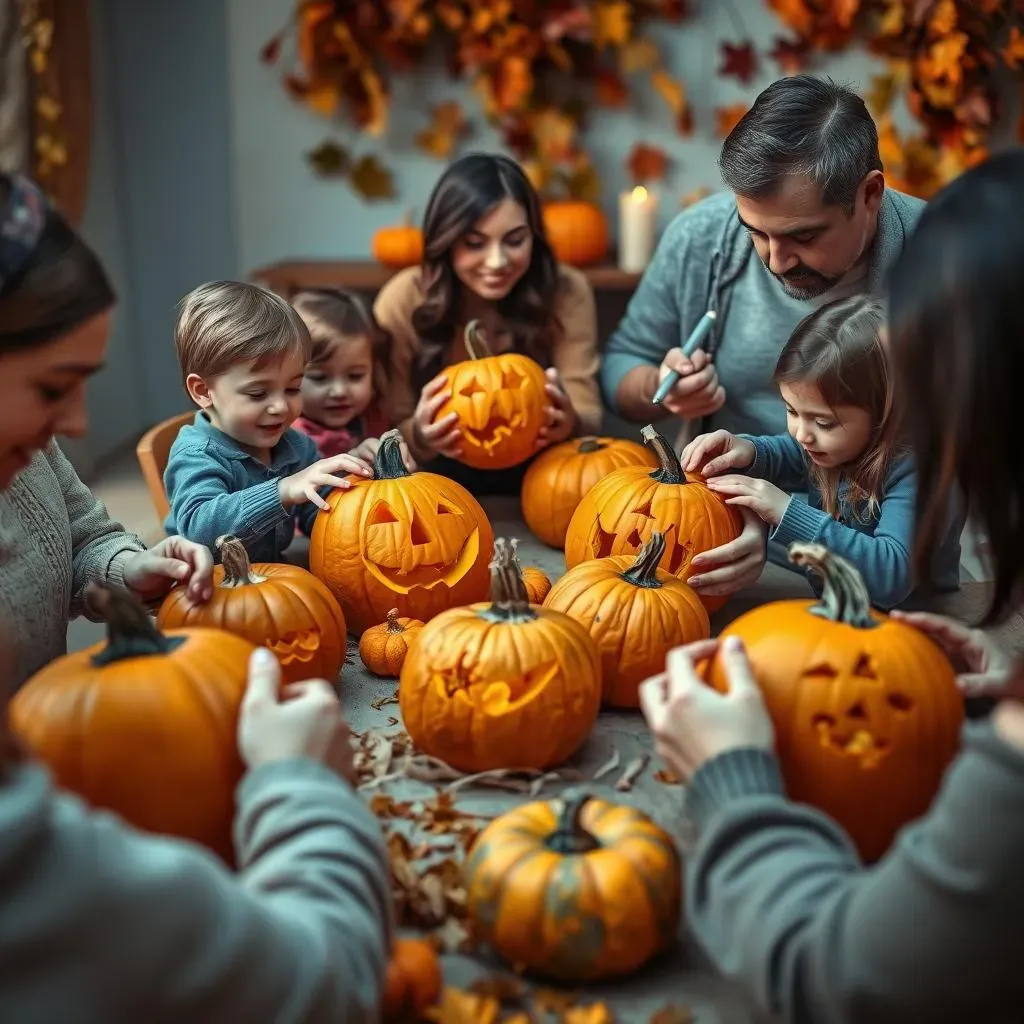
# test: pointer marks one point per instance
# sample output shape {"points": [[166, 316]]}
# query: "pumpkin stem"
{"points": [[131, 633], [387, 463], [509, 600], [590, 444], [844, 598], [644, 571], [476, 342], [394, 626], [235, 559], [569, 835], [669, 471]]}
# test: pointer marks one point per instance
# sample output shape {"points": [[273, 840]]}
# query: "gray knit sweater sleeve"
{"points": [[778, 897]]}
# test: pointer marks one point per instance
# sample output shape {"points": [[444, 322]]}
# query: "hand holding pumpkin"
{"points": [[304, 486], [279, 723], [444, 436], [561, 421], [151, 574], [691, 722], [717, 452], [731, 566], [760, 496]]}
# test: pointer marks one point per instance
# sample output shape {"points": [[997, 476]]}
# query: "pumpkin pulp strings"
{"points": [[131, 633]]}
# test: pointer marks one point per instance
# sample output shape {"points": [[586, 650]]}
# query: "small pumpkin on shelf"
{"points": [[145, 724], [480, 679], [270, 604], [383, 647], [866, 709], [577, 889], [500, 403], [577, 231], [561, 475], [636, 614], [537, 583], [413, 982], [399, 245], [619, 514]]}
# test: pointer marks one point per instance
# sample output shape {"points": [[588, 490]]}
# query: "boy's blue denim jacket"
{"points": [[214, 486]]}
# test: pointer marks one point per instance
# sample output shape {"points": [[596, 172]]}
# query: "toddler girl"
{"points": [[841, 449], [343, 386]]}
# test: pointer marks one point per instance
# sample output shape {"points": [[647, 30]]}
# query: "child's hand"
{"points": [[561, 415], [444, 436], [301, 487], [767, 500], [367, 450], [717, 452]]}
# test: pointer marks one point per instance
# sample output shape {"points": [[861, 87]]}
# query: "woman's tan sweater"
{"points": [[574, 354]]}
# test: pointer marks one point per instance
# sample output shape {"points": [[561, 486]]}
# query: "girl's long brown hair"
{"points": [[469, 189], [838, 348]]}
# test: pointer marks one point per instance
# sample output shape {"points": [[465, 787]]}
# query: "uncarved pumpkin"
{"points": [[537, 584], [561, 475], [144, 724], [413, 982], [504, 684], [619, 513], [383, 648], [500, 403], [636, 614], [417, 542], [577, 889], [273, 605], [866, 710], [399, 246], [576, 231]]}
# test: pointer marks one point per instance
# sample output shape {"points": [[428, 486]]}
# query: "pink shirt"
{"points": [[330, 441]]}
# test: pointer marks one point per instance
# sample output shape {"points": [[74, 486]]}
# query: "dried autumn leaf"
{"points": [[448, 125], [738, 61], [844, 11], [726, 118], [673, 1013], [329, 160], [646, 163], [593, 1013], [371, 103], [610, 90], [790, 54], [639, 54], [943, 19], [612, 23], [879, 94], [554, 134], [583, 184], [892, 20], [458, 1007], [674, 95], [795, 14], [371, 179], [1013, 52], [512, 85], [663, 775]]}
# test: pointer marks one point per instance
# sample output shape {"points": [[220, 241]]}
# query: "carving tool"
{"points": [[700, 332]]}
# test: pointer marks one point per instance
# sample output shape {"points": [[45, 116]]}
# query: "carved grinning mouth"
{"points": [[299, 646], [869, 749], [493, 432], [429, 575]]}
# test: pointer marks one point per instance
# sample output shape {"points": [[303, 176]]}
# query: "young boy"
{"points": [[240, 468]]}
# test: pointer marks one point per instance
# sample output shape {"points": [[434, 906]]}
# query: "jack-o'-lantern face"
{"points": [[487, 418]]}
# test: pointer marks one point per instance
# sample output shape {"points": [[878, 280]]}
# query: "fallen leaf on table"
{"points": [[385, 806], [458, 1007], [726, 118], [673, 1014], [507, 990], [382, 702], [739, 62], [790, 54], [666, 778], [633, 771], [646, 163], [592, 1013], [448, 125], [609, 766], [329, 160], [371, 179]]}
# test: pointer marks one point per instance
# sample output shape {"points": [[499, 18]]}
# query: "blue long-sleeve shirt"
{"points": [[214, 486], [880, 546]]}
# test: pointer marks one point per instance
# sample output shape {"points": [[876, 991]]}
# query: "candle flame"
{"points": [[639, 194]]}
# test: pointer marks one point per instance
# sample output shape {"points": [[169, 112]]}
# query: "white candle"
{"points": [[638, 214]]}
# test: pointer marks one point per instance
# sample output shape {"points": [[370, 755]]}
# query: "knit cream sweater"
{"points": [[55, 538]]}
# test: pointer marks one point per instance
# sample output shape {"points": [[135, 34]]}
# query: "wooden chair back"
{"points": [[153, 449]]}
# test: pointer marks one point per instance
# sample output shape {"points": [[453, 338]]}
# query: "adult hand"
{"points": [[697, 392], [764, 498], [729, 567], [304, 486], [367, 449], [561, 420], [693, 723], [278, 723], [444, 436], [717, 452], [983, 668], [150, 574]]}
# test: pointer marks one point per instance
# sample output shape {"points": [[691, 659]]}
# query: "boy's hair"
{"points": [[838, 348], [224, 323], [344, 313]]}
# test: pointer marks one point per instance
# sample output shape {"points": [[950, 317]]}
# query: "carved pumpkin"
{"points": [[145, 724], [619, 514], [417, 542], [577, 889], [636, 614], [558, 478], [399, 246], [866, 709], [383, 648], [279, 606], [576, 231], [503, 684], [413, 982], [500, 402]]}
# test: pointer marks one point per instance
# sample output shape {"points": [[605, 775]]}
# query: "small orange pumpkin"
{"points": [[866, 709], [576, 231], [561, 475], [145, 724], [537, 584], [636, 614], [413, 982], [500, 403], [399, 246], [481, 679], [577, 888], [619, 514], [270, 604], [383, 647]]}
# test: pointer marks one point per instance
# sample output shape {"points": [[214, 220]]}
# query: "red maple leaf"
{"points": [[646, 163], [739, 61], [790, 54]]}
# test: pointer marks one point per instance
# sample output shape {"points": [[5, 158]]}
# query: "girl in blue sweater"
{"points": [[841, 449]]}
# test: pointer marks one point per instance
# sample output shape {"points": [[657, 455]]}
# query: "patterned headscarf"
{"points": [[22, 219]]}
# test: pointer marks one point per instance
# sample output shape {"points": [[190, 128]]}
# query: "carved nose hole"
{"points": [[471, 389], [900, 702], [857, 711], [634, 541], [417, 532]]}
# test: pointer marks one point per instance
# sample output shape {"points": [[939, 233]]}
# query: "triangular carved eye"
{"points": [[418, 534], [822, 671], [444, 509], [381, 513], [470, 389], [865, 667], [512, 379], [644, 510]]}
